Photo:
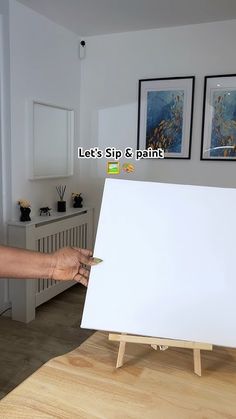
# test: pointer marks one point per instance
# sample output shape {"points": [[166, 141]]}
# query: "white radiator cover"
{"points": [[46, 234]]}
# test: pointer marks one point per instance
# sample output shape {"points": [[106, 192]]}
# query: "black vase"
{"points": [[61, 206], [78, 202], [25, 214]]}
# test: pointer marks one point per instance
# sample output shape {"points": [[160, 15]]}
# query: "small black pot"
{"points": [[61, 206], [25, 214]]}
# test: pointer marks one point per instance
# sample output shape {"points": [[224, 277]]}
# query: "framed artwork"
{"points": [[219, 118], [165, 111]]}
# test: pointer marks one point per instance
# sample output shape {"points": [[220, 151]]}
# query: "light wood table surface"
{"points": [[151, 384]]}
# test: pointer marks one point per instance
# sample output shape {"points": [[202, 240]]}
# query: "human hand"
{"points": [[68, 264]]}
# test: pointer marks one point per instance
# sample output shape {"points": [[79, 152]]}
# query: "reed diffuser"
{"points": [[61, 205]]}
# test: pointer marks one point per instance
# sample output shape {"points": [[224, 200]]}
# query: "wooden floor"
{"points": [[25, 347]]}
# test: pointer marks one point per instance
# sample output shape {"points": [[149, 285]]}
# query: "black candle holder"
{"points": [[61, 206]]}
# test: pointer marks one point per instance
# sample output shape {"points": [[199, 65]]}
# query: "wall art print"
{"points": [[165, 115], [219, 118]]}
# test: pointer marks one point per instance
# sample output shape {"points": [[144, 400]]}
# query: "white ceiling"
{"points": [[96, 17]]}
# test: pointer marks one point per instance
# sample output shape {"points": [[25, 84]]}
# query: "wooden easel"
{"points": [[164, 344]]}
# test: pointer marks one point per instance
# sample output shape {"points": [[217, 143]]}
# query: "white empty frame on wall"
{"points": [[51, 138], [168, 262]]}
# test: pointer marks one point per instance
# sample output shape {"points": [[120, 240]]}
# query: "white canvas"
{"points": [[168, 265]]}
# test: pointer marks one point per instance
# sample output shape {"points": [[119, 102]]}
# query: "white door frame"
{"points": [[5, 146]]}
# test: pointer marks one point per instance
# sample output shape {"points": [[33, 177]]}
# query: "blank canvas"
{"points": [[168, 265]]}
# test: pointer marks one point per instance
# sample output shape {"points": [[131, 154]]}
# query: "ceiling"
{"points": [[96, 17]]}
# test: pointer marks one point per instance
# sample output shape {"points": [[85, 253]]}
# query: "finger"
{"points": [[81, 279], [90, 261], [86, 252], [83, 252], [95, 261], [84, 272], [84, 255], [85, 259]]}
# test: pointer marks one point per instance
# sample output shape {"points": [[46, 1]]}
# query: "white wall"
{"points": [[41, 62], [44, 66], [109, 93]]}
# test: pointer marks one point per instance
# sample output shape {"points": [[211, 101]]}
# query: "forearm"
{"points": [[20, 263]]}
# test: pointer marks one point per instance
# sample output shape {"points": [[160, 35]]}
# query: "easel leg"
{"points": [[197, 362], [121, 353]]}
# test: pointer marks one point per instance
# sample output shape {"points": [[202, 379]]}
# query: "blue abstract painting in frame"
{"points": [[165, 115], [219, 118]]}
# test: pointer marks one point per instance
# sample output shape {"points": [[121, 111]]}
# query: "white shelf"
{"points": [[47, 218]]}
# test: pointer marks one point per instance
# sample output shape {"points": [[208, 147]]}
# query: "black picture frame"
{"points": [[165, 115], [218, 127]]}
